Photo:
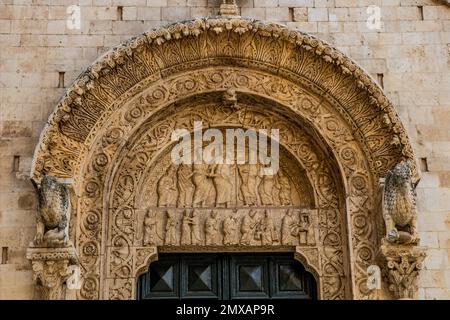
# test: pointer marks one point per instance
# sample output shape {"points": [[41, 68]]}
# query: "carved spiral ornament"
{"points": [[111, 133]]}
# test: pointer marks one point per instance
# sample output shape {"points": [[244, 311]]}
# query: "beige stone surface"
{"points": [[412, 54]]}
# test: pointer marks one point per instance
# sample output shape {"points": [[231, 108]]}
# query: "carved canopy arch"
{"points": [[125, 171], [105, 130], [183, 46]]}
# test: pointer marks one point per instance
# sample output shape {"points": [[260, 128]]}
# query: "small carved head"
{"points": [[150, 213]]}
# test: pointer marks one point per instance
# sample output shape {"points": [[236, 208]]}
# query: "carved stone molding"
{"points": [[402, 266], [52, 267], [185, 46], [111, 133]]}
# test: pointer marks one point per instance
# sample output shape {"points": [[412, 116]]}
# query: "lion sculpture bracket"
{"points": [[53, 214], [399, 205]]}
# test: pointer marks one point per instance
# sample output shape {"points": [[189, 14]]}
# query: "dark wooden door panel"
{"points": [[249, 277], [200, 277], [226, 276]]}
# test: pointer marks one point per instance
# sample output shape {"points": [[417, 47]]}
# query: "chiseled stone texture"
{"points": [[410, 54]]}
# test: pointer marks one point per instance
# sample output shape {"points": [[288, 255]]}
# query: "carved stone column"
{"points": [[402, 266], [52, 267]]}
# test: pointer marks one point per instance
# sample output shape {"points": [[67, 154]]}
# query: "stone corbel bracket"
{"points": [[402, 264], [52, 267]]}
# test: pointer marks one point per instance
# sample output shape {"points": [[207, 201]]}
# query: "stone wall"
{"points": [[39, 56]]}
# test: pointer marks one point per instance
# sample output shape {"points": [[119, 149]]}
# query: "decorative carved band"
{"points": [[111, 134]]}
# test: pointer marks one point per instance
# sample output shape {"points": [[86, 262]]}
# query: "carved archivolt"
{"points": [[111, 134], [201, 43]]}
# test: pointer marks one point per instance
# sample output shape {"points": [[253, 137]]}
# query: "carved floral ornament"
{"points": [[111, 134]]}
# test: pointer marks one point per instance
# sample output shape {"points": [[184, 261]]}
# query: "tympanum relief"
{"points": [[227, 205], [221, 207], [119, 100]]}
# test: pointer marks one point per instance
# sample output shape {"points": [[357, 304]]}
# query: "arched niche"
{"points": [[116, 119]]}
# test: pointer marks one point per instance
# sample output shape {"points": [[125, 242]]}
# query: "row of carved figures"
{"points": [[253, 229], [205, 185]]}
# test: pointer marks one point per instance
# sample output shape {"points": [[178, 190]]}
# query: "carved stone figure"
{"points": [[171, 228], [185, 186], [288, 226], [53, 214], [195, 228], [193, 80], [285, 189], [204, 189], [230, 231], [150, 225], [248, 228], [269, 231], [221, 175], [167, 188], [212, 231], [249, 186], [186, 222], [373, 281], [229, 98], [311, 237], [266, 189], [306, 232], [400, 205]]}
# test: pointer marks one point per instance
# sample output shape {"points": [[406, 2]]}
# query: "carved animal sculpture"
{"points": [[53, 213], [400, 206]]}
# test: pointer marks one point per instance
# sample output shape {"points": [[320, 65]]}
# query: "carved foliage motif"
{"points": [[178, 224], [173, 49], [51, 268], [125, 216], [403, 263], [111, 120]]}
